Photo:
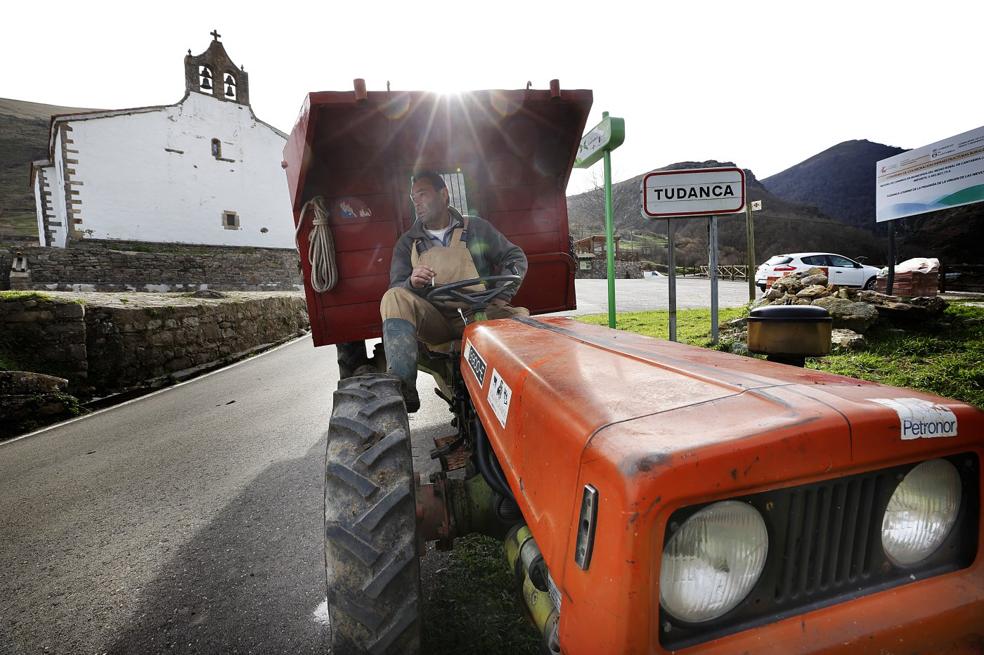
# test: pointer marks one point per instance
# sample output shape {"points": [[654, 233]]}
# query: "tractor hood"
{"points": [[656, 425]]}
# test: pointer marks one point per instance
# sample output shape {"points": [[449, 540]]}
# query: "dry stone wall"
{"points": [[43, 334], [129, 346], [126, 266], [104, 343]]}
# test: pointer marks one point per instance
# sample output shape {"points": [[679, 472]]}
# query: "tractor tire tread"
{"points": [[370, 521]]}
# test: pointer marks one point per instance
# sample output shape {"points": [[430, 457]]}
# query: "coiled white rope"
{"points": [[321, 246]]}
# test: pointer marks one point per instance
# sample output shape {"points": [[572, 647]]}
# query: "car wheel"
{"points": [[870, 284]]}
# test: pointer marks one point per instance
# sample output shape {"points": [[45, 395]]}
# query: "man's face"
{"points": [[431, 206]]}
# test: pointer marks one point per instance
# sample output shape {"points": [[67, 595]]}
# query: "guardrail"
{"points": [[730, 272]]}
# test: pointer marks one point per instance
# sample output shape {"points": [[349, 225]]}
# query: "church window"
{"points": [[216, 148], [205, 79], [230, 86], [230, 220]]}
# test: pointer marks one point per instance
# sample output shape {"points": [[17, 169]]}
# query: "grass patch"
{"points": [[944, 357], [24, 295], [474, 606], [693, 325]]}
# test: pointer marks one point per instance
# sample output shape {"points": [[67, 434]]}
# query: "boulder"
{"points": [[813, 291], [856, 316], [788, 284], [846, 340], [819, 279], [774, 293]]}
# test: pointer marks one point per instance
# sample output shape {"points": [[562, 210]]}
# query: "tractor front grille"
{"points": [[825, 548], [829, 543]]}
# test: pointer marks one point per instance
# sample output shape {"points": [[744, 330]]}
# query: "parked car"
{"points": [[842, 271]]}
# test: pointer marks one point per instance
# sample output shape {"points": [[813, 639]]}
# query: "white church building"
{"points": [[205, 170]]}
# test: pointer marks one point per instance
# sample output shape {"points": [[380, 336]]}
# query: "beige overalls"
{"points": [[440, 323]]}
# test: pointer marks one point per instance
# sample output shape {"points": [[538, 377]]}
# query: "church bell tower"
{"points": [[214, 74]]}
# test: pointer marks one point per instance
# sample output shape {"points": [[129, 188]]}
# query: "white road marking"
{"points": [[320, 615]]}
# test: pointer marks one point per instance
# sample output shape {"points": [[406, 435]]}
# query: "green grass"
{"points": [[693, 325], [24, 295], [943, 356], [474, 605]]}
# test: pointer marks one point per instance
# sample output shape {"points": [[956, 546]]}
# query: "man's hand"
{"points": [[422, 276]]}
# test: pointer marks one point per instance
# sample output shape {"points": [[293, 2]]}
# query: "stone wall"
{"points": [[105, 343], [599, 270], [129, 346], [46, 335], [126, 266]]}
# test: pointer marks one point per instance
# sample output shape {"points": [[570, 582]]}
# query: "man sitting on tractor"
{"points": [[440, 248]]}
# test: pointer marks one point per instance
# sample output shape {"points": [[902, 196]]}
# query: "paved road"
{"points": [[653, 293], [190, 520]]}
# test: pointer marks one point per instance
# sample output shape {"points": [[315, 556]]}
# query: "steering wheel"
{"points": [[452, 292]]}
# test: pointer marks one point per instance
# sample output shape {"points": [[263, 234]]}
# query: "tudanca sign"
{"points": [[693, 192]]}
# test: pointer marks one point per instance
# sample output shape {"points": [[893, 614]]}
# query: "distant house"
{"points": [[205, 170]]}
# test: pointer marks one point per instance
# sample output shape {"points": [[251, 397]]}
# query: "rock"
{"points": [[788, 284], [23, 383], [736, 323], [856, 316], [208, 293], [846, 340], [819, 279], [813, 291], [774, 293]]}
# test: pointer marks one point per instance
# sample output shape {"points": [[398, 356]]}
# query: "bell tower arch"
{"points": [[214, 73]]}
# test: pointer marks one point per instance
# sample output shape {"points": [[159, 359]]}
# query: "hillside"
{"points": [[840, 181], [23, 138], [781, 226]]}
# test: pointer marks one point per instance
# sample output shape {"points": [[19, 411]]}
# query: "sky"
{"points": [[762, 84]]}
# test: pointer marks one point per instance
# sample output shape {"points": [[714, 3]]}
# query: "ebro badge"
{"points": [[499, 397], [920, 418], [475, 361]]}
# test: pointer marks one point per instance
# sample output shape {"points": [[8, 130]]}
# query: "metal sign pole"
{"points": [[609, 238], [750, 259], [712, 264], [890, 282], [597, 144], [671, 269]]}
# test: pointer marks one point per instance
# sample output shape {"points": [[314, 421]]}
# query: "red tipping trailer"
{"points": [[507, 156]]}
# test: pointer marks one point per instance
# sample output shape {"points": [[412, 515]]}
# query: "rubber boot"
{"points": [[400, 343]]}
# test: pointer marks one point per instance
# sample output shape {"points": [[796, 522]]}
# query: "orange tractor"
{"points": [[653, 497]]}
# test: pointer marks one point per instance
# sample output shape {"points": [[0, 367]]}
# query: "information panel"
{"points": [[941, 175]]}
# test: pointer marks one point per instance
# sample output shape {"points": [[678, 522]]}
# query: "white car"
{"points": [[841, 270]]}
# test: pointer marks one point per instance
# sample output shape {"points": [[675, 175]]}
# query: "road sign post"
{"points": [[753, 206], [598, 144], [692, 193]]}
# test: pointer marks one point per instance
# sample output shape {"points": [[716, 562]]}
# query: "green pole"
{"points": [[609, 238]]}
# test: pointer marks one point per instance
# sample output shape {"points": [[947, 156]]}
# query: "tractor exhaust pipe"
{"points": [[541, 596]]}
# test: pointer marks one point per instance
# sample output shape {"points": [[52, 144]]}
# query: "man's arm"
{"points": [[400, 267], [503, 256]]}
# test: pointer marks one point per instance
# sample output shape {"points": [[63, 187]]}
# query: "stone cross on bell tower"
{"points": [[214, 74]]}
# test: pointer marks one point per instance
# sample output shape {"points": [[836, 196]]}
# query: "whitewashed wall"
{"points": [[134, 189]]}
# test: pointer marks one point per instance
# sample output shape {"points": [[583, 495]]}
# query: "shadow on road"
{"points": [[250, 581]]}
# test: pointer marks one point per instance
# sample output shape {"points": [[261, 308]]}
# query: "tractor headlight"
{"points": [[712, 561], [921, 512]]}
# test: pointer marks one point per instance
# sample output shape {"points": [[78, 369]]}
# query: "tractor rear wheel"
{"points": [[370, 521]]}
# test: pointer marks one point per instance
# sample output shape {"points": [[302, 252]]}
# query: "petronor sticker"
{"points": [[921, 419], [475, 361], [500, 396]]}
